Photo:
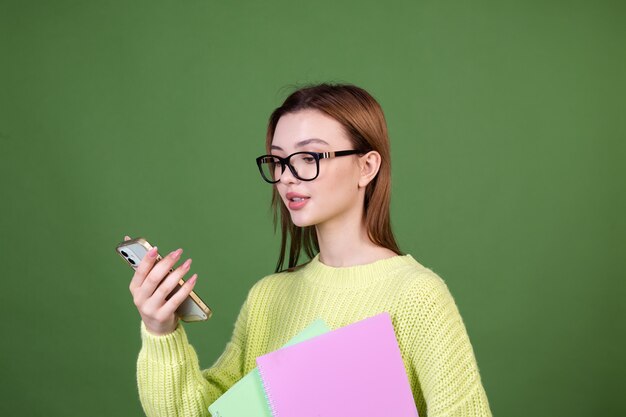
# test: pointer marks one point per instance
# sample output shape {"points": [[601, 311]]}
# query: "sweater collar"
{"points": [[317, 273]]}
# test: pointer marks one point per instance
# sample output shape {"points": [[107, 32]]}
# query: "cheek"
{"points": [[343, 177], [337, 185], [281, 190]]}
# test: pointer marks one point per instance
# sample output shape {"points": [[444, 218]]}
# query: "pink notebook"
{"points": [[356, 370]]}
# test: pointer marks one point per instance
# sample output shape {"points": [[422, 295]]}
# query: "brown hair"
{"points": [[364, 122]]}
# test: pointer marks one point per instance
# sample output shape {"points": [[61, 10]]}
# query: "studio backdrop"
{"points": [[144, 118]]}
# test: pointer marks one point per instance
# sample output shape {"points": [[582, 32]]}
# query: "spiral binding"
{"points": [[266, 390]]}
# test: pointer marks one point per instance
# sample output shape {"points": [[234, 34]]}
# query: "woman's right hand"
{"points": [[149, 293]]}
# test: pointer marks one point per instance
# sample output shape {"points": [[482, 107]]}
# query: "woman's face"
{"points": [[333, 196]]}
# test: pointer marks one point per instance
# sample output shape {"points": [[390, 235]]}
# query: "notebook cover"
{"points": [[356, 370], [246, 398]]}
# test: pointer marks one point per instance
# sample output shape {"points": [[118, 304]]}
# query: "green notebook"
{"points": [[247, 396]]}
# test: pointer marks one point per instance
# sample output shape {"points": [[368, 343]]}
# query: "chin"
{"points": [[302, 218], [302, 221]]}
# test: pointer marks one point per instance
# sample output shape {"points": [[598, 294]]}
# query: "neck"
{"points": [[345, 242]]}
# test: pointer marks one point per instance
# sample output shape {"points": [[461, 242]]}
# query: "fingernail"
{"points": [[193, 279], [187, 263], [176, 254], [153, 252]]}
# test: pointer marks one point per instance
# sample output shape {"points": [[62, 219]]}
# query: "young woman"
{"points": [[328, 161]]}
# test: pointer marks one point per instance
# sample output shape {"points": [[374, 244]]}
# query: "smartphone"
{"points": [[193, 308]]}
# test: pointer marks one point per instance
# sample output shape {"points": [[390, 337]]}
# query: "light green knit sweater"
{"points": [[436, 350]]}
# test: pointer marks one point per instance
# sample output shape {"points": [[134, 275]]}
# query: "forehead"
{"points": [[294, 130]]}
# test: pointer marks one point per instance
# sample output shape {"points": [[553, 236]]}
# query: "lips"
{"points": [[296, 201]]}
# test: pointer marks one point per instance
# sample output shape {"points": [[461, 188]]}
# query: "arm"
{"points": [[442, 355], [169, 378]]}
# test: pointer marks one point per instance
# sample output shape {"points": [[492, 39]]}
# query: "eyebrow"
{"points": [[303, 143]]}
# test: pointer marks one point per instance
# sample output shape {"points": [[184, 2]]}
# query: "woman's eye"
{"points": [[309, 159]]}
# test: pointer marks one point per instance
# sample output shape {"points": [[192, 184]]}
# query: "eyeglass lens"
{"points": [[303, 164]]}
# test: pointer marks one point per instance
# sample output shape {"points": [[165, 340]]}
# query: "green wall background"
{"points": [[144, 118]]}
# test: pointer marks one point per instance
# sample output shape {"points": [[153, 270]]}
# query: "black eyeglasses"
{"points": [[303, 165]]}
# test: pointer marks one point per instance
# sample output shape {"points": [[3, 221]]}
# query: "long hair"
{"points": [[364, 123]]}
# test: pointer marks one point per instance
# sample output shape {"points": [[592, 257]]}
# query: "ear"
{"points": [[369, 164]]}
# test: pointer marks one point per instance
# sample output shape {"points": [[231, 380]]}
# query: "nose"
{"points": [[287, 177]]}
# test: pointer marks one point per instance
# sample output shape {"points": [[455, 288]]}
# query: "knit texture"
{"points": [[436, 350]]}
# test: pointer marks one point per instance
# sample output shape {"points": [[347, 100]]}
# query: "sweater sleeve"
{"points": [[169, 379], [443, 356]]}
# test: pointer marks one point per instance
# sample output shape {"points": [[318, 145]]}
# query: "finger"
{"points": [[169, 284], [126, 238], [158, 273], [177, 299], [144, 268]]}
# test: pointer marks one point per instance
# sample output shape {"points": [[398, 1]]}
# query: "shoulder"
{"points": [[268, 283], [424, 290], [420, 278], [279, 278]]}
